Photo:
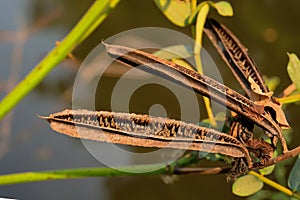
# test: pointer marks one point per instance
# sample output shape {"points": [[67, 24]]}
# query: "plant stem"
{"points": [[136, 170], [290, 154], [275, 185], [93, 17], [289, 90], [202, 14], [289, 99]]}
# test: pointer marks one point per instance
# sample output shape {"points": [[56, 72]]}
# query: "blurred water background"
{"points": [[30, 28]]}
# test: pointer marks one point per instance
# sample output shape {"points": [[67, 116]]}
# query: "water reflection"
{"points": [[266, 27]]}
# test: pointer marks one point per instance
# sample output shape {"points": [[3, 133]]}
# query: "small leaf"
{"points": [[266, 194], [247, 185], [176, 11], [224, 8], [287, 134], [272, 82], [280, 173], [280, 196], [270, 169], [293, 69], [267, 170], [176, 51], [294, 178]]}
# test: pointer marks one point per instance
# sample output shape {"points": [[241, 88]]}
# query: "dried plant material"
{"points": [[199, 83], [236, 56], [289, 90], [146, 131], [257, 107]]}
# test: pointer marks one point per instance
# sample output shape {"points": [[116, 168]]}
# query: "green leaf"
{"points": [[272, 82], [223, 8], [267, 170], [280, 173], [176, 51], [261, 195], [288, 135], [293, 69], [247, 185], [270, 169], [266, 194], [294, 178], [178, 12]]}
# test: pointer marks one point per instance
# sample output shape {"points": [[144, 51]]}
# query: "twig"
{"points": [[288, 90], [137, 170], [290, 154], [203, 171], [289, 99], [275, 185], [173, 168], [219, 170]]}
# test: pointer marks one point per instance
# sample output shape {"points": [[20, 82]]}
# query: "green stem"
{"points": [[93, 17], [289, 99], [275, 185], [201, 18], [193, 5], [137, 170]]}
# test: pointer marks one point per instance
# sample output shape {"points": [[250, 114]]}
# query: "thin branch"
{"points": [[290, 154], [139, 170], [136, 170], [288, 90], [219, 170], [289, 99], [203, 171], [275, 185]]}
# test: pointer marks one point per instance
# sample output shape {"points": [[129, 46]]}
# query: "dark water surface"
{"points": [[269, 30]]}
